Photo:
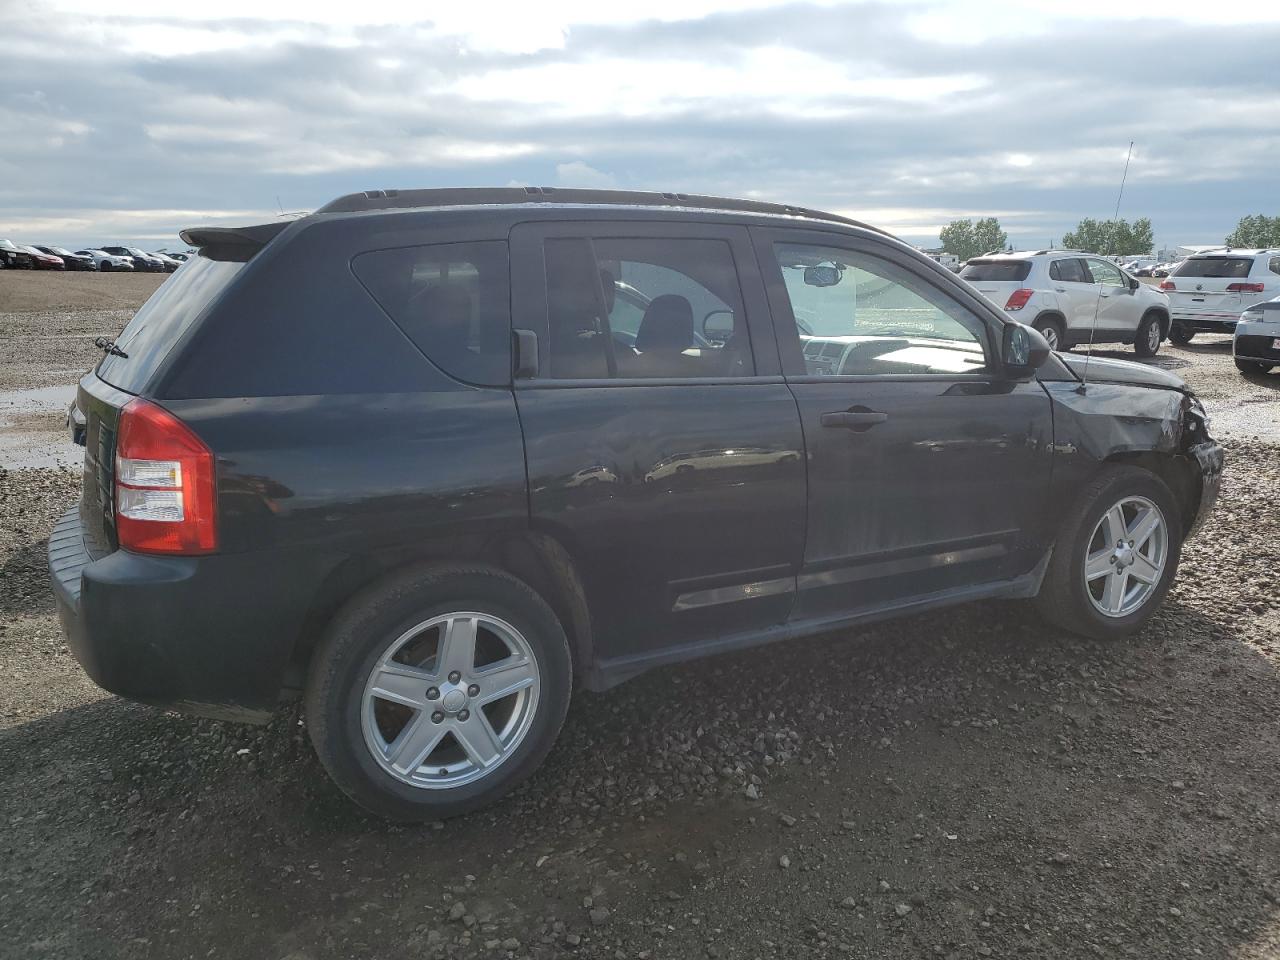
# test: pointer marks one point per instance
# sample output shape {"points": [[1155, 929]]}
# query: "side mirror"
{"points": [[822, 275], [1024, 350], [717, 326], [1133, 283]]}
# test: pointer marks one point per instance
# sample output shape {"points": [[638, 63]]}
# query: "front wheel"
{"points": [[1253, 366], [1180, 333], [434, 694], [1147, 342], [1116, 554]]}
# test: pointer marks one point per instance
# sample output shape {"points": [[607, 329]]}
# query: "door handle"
{"points": [[1060, 289], [857, 420]]}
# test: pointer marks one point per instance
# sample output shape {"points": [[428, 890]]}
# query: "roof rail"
{"points": [[469, 196]]}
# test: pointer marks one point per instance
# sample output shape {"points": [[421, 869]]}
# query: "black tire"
{"points": [[1053, 330], [1064, 599], [1148, 331], [364, 629], [1253, 366], [1181, 334]]}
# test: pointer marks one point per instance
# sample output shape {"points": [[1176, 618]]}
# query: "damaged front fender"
{"points": [[1161, 428]]}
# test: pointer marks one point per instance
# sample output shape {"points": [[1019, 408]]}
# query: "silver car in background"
{"points": [[1256, 343]]}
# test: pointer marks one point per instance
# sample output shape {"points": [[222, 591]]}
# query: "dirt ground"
{"points": [[25, 291], [963, 784]]}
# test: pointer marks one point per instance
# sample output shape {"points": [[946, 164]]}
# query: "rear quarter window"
{"points": [[452, 300], [993, 271]]}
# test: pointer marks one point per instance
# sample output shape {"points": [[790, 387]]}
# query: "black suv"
{"points": [[436, 457]]}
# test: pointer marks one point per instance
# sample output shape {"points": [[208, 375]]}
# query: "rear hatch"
{"points": [[131, 363], [1213, 287], [996, 277]]}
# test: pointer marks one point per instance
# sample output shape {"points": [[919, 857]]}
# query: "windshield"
{"points": [[1226, 267], [996, 270], [155, 328], [135, 251]]}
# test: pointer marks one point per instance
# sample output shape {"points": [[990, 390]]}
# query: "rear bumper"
{"points": [[1208, 322], [204, 635]]}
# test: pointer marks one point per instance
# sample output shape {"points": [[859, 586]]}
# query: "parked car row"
{"points": [[1074, 298], [17, 256]]}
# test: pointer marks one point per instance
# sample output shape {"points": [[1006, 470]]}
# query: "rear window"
{"points": [[452, 300], [1230, 267], [996, 270], [163, 319]]}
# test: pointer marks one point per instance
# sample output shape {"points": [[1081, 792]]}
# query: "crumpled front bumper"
{"points": [[1210, 458]]}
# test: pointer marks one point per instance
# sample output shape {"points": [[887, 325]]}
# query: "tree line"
{"points": [[968, 238]]}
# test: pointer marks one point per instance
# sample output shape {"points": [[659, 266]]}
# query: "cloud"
{"points": [[576, 173], [910, 114]]}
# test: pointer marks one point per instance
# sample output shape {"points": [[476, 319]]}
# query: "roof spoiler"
{"points": [[232, 243]]}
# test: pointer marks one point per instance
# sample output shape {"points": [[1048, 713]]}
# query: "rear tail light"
{"points": [[1168, 285], [166, 496], [1018, 299], [1246, 287]]}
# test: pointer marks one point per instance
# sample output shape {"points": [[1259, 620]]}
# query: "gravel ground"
{"points": [[963, 784]]}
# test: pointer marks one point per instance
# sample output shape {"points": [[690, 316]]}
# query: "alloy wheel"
{"points": [[450, 700], [1126, 557]]}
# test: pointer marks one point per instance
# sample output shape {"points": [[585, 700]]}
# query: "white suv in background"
{"points": [[1073, 297], [1209, 291]]}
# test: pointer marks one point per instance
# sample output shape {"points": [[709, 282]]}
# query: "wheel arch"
{"points": [[537, 559], [1056, 316], [1178, 472], [1166, 322]]}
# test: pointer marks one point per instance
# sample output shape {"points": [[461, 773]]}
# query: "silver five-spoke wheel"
{"points": [[1126, 556], [450, 699]]}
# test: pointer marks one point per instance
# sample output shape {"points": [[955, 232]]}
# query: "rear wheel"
{"points": [[1052, 330], [1147, 342], [434, 694], [1115, 556], [1180, 333], [1253, 366]]}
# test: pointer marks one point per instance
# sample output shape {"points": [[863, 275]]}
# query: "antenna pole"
{"points": [[1111, 239]]}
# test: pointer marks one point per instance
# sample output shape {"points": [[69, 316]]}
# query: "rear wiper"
{"points": [[108, 346]]}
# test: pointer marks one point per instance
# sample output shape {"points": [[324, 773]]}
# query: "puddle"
{"points": [[32, 430], [27, 451], [37, 400]]}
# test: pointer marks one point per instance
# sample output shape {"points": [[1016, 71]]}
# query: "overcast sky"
{"points": [[117, 125]]}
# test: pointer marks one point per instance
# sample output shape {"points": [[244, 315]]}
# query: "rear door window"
{"points": [[163, 319], [642, 307], [1070, 270], [452, 300], [996, 271]]}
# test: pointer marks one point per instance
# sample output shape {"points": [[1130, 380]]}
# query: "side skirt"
{"points": [[610, 672]]}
